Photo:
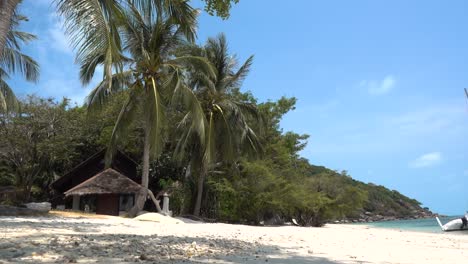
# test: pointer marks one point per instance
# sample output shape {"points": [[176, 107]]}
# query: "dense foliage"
{"points": [[219, 8], [47, 138]]}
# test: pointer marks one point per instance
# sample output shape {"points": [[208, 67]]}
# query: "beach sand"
{"points": [[75, 238]]}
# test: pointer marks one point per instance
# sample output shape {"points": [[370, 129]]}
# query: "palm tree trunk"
{"points": [[7, 7], [201, 181], [143, 194]]}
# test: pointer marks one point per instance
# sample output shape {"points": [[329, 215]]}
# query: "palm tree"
{"points": [[135, 42], [13, 61], [7, 8], [227, 128]]}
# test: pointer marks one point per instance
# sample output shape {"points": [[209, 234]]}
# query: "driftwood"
{"points": [[155, 201]]}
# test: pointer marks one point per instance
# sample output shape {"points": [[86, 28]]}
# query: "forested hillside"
{"points": [[381, 203]]}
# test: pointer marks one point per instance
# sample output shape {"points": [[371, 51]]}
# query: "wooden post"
{"points": [[165, 209]]}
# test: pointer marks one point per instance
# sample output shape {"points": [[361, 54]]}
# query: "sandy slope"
{"points": [[73, 239]]}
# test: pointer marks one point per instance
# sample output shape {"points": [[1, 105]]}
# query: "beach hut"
{"points": [[90, 168], [112, 191], [7, 193]]}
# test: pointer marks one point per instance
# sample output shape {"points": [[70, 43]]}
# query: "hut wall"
{"points": [[107, 204]]}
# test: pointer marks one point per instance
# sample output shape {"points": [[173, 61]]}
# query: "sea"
{"points": [[429, 225]]}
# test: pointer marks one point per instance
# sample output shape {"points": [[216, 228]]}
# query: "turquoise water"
{"points": [[421, 225]]}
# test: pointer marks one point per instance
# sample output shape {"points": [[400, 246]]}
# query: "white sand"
{"points": [[119, 240]]}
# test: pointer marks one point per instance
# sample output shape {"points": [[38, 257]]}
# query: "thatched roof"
{"points": [[105, 182], [93, 165]]}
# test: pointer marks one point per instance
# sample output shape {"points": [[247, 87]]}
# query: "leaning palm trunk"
{"points": [[143, 194], [200, 185], [7, 8]]}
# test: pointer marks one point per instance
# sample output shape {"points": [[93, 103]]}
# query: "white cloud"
{"points": [[61, 87], [57, 38], [379, 87], [436, 119], [427, 160]]}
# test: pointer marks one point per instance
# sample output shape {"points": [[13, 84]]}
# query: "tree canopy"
{"points": [[219, 8]]}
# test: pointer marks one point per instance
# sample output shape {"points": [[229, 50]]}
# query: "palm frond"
{"points": [[210, 145], [93, 29], [217, 52], [193, 105], [199, 63], [135, 32], [126, 117], [184, 139], [251, 142], [236, 80], [229, 132], [16, 38], [181, 94], [7, 20], [251, 113], [198, 78], [11, 59], [181, 13], [99, 96], [14, 61], [156, 119], [189, 49], [8, 101]]}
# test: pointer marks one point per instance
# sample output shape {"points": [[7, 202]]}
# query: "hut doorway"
{"points": [[107, 204]]}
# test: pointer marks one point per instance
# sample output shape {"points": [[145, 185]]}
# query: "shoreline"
{"points": [[385, 219], [81, 239]]}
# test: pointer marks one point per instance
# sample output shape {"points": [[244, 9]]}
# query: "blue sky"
{"points": [[379, 83]]}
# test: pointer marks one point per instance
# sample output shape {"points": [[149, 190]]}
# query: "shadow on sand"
{"points": [[123, 248], [91, 247], [9, 224]]}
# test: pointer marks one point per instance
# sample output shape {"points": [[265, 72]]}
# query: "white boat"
{"points": [[453, 225]]}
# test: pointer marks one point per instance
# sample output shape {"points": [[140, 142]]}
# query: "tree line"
{"points": [[175, 107], [46, 138]]}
